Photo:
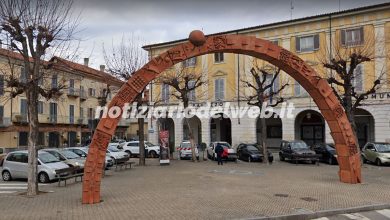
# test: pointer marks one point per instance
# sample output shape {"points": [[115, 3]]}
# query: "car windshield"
{"points": [[148, 144], [252, 148], [185, 144], [69, 154], [47, 158], [224, 145], [113, 149], [298, 145], [383, 148]]}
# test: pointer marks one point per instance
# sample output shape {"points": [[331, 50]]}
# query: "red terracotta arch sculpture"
{"points": [[318, 88]]}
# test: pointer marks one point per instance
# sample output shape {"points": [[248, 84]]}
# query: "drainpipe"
{"points": [[238, 83]]}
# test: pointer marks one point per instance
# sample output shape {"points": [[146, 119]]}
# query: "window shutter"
{"points": [[297, 44], [361, 35], [316, 42], [216, 89], [342, 37], [222, 89]]}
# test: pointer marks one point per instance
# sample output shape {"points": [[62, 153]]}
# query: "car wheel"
{"points": [[281, 157], [378, 162], [129, 153], [113, 160], [270, 160], [313, 162], [6, 176], [330, 161], [363, 159], [43, 178], [249, 159], [153, 154]]}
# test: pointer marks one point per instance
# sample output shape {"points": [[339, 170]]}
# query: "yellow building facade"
{"points": [[315, 39]]}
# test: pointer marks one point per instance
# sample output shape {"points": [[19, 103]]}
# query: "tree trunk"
{"points": [[263, 138], [142, 155], [141, 135], [32, 103], [350, 112], [192, 141]]}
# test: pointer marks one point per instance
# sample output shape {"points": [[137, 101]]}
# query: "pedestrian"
{"points": [[219, 151]]}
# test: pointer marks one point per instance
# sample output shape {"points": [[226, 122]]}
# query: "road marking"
{"points": [[7, 192], [385, 212], [12, 187], [356, 216]]}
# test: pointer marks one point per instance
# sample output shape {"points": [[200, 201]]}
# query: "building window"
{"points": [[191, 94], [23, 138], [358, 79], [23, 75], [81, 113], [297, 89], [71, 114], [274, 131], [53, 112], [23, 107], [189, 62], [1, 114], [91, 92], [219, 89], [90, 113], [352, 37], [1, 85], [41, 139], [40, 107], [307, 43], [218, 57], [54, 82], [165, 93]]}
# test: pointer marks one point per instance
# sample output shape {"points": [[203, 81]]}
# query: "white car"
{"points": [[15, 166], [132, 148], [83, 152], [229, 152], [117, 155], [185, 151]]}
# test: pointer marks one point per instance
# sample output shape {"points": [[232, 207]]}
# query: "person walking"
{"points": [[219, 151]]}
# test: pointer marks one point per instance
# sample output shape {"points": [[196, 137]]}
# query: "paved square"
{"points": [[204, 190]]}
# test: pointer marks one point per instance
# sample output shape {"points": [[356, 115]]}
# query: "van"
{"points": [[15, 166]]}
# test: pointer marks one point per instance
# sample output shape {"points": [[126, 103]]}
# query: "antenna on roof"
{"points": [[291, 9]]}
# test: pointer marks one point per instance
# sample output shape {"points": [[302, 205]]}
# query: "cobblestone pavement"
{"points": [[203, 190]]}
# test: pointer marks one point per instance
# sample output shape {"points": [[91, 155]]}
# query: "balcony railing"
{"points": [[19, 118], [5, 122], [73, 92]]}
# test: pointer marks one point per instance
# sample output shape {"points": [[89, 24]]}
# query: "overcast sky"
{"points": [[154, 21]]}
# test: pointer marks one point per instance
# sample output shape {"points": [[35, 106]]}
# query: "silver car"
{"points": [[67, 157], [83, 152], [15, 166]]}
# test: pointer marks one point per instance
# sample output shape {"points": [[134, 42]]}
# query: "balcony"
{"points": [[83, 95], [5, 122], [72, 92], [20, 118]]}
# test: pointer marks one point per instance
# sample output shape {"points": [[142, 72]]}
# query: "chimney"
{"points": [[86, 61], [102, 68]]}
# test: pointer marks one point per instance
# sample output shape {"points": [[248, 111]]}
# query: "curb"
{"points": [[325, 213]]}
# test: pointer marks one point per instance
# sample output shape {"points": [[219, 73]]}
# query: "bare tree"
{"points": [[261, 83], [345, 62], [33, 28], [184, 80], [122, 61]]}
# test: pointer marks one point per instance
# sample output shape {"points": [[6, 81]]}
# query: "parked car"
{"points": [[376, 152], [252, 153], [67, 157], [297, 151], [15, 166], [132, 148], [83, 152], [228, 152], [117, 155], [326, 152], [185, 151]]}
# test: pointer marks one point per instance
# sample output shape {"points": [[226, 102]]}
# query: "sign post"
{"points": [[164, 147]]}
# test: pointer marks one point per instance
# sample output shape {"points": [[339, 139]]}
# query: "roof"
{"points": [[72, 66], [235, 31]]}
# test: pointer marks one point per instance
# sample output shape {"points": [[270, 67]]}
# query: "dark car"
{"points": [[297, 151], [252, 152], [326, 152]]}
